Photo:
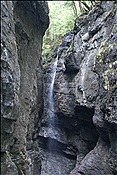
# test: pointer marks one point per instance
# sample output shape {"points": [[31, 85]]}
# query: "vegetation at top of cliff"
{"points": [[62, 16]]}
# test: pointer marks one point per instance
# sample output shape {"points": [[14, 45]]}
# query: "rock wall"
{"points": [[83, 137], [85, 131], [23, 26]]}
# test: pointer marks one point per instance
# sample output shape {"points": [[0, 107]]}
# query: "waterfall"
{"points": [[49, 131], [51, 118], [84, 71], [51, 89]]}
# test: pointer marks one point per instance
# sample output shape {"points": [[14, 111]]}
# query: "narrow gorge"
{"points": [[60, 119]]}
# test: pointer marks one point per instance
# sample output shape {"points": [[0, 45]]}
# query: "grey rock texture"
{"points": [[80, 136], [23, 26], [85, 120]]}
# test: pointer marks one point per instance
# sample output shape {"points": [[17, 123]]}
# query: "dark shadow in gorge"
{"points": [[79, 130], [68, 151]]}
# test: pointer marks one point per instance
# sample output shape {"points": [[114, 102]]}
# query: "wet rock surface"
{"points": [[23, 26], [78, 136], [85, 95]]}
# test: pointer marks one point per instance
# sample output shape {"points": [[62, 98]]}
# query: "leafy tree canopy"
{"points": [[62, 15]]}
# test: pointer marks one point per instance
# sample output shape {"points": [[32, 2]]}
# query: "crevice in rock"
{"points": [[115, 173], [95, 31], [32, 144], [81, 173], [84, 113], [68, 151]]}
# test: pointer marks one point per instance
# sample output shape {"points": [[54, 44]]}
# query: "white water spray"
{"points": [[84, 70], [52, 132], [51, 89]]}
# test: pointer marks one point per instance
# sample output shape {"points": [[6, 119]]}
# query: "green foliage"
{"points": [[62, 15], [61, 21]]}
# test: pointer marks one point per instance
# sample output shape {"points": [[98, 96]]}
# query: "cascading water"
{"points": [[84, 70], [51, 115], [51, 89], [50, 135]]}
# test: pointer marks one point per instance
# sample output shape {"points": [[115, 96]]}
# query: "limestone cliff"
{"points": [[23, 26], [85, 126]]}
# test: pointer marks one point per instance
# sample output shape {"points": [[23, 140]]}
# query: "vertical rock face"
{"points": [[83, 137], [23, 26], [85, 132]]}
